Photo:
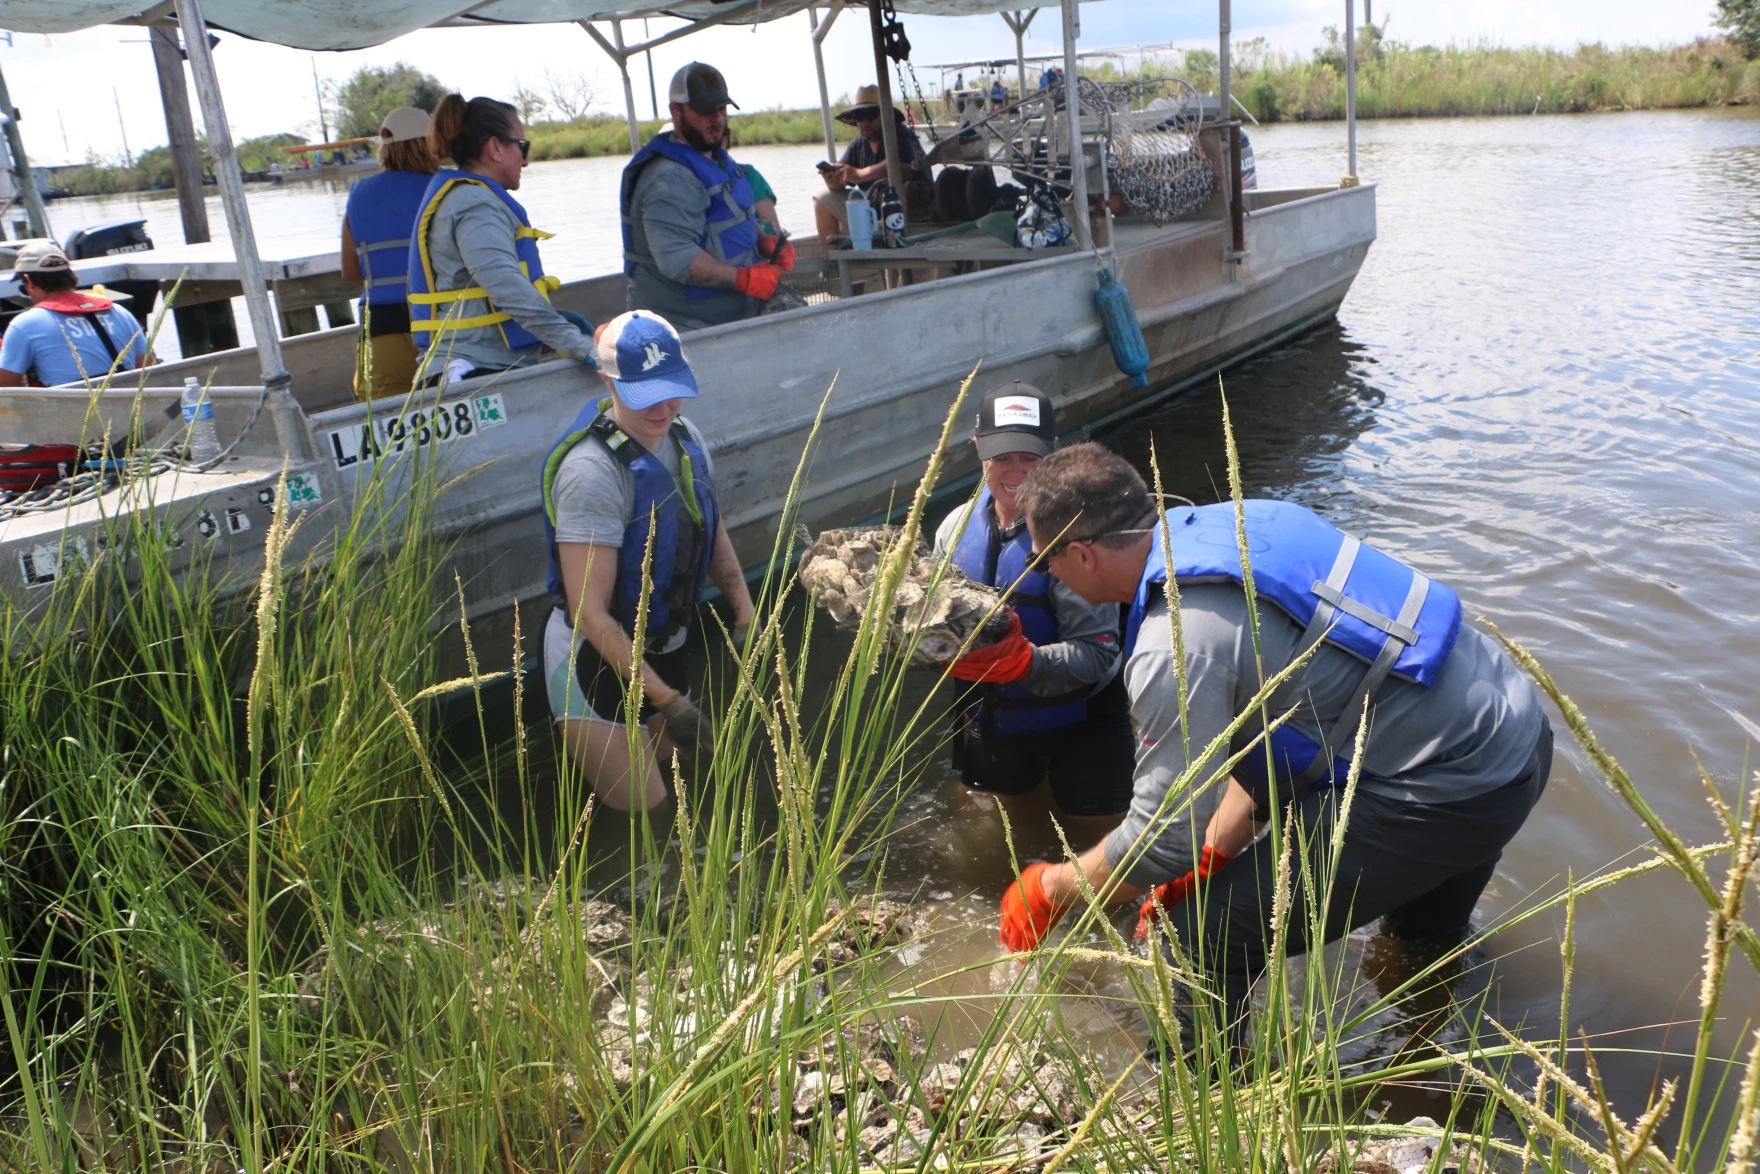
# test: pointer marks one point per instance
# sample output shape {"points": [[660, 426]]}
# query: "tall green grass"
{"points": [[1396, 80], [258, 919], [609, 135]]}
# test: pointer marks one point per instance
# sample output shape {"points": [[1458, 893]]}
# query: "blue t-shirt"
{"points": [[65, 348]]}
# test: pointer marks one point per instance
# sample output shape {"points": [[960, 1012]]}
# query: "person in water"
{"points": [[1051, 703], [629, 478], [693, 245], [66, 336], [479, 300], [376, 229], [1458, 749]]}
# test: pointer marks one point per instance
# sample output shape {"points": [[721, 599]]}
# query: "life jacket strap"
{"points": [[545, 285], [1344, 730]]}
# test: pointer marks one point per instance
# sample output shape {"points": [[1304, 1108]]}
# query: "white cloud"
{"points": [[64, 84]]}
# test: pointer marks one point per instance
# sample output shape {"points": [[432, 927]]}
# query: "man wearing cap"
{"points": [[376, 229], [864, 161], [1457, 750], [629, 491], [693, 248], [1051, 701], [66, 336]]}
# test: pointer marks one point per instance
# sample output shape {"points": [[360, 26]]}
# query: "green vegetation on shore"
{"points": [[1395, 80], [604, 134], [261, 915]]}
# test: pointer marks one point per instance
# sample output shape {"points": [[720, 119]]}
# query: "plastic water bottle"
{"points": [[198, 415], [861, 220]]}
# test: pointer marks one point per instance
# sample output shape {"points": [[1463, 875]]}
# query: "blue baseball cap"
{"points": [[641, 353]]}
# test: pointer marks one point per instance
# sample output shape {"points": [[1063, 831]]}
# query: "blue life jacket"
{"points": [[1008, 566], [428, 317], [684, 534], [730, 229], [1396, 620], [381, 214]]}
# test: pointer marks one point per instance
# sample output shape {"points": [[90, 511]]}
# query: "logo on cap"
{"points": [[1021, 410], [654, 356]]}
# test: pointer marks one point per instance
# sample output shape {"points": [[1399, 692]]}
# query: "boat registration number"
{"points": [[428, 427]]}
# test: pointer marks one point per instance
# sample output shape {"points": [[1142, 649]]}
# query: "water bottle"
{"points": [[891, 218], [861, 220], [198, 415]]}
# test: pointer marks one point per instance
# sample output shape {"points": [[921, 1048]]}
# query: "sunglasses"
{"points": [[524, 145], [1063, 544]]}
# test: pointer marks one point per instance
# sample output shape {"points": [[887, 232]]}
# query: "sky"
{"points": [[87, 92]]}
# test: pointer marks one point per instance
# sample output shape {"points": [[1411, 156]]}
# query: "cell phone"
{"points": [[824, 166]]}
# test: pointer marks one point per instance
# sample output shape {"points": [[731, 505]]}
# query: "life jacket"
{"points": [[80, 303], [685, 525], [1008, 566], [428, 317], [1396, 620], [382, 209], [730, 229]]}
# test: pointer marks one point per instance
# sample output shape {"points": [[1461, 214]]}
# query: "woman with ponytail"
{"points": [[479, 299]]}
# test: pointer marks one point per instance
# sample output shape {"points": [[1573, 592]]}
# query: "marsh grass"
{"points": [[253, 923]]}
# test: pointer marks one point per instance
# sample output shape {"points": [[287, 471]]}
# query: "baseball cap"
{"points": [[1015, 417], [642, 354], [41, 257], [701, 87], [402, 124]]}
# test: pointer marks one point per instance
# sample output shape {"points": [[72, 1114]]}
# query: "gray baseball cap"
{"points": [[701, 87]]}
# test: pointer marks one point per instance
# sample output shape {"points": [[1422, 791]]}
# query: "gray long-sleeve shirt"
{"points": [[470, 242], [1470, 733], [669, 210], [1086, 655]]}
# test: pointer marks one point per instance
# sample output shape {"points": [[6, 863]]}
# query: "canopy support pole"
{"points": [[1350, 83], [888, 125], [1017, 23], [180, 130], [1225, 106], [819, 31], [629, 93], [289, 420], [21, 167], [1072, 112]]}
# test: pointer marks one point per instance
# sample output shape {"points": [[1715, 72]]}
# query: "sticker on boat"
{"points": [[427, 427], [43, 563]]}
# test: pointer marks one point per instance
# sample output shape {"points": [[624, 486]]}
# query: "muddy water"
{"points": [[1542, 389]]}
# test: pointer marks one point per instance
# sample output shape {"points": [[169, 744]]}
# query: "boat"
{"points": [[1242, 273]]}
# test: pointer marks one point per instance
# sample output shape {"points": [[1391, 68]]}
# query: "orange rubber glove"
{"points": [[778, 250], [1009, 659], [1027, 913], [758, 281], [1172, 892]]}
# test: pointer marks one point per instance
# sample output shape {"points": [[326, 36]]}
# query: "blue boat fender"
{"points": [[1123, 333]]}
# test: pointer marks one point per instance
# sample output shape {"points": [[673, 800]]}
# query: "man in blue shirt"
{"points": [[66, 336]]}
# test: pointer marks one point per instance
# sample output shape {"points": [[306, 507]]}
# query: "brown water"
{"points": [[1545, 389]]}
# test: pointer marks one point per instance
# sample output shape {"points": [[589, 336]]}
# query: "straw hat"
{"points": [[866, 105]]}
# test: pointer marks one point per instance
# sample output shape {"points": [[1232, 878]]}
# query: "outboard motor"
{"points": [[113, 239]]}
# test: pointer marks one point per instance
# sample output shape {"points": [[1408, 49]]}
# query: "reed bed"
{"points": [[1396, 80], [257, 919], [609, 135]]}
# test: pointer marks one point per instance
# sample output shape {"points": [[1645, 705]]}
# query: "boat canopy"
{"points": [[351, 24]]}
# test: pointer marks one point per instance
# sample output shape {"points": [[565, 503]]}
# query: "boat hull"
{"points": [[853, 392]]}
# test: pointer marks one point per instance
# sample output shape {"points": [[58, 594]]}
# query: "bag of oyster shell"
{"points": [[938, 612]]}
